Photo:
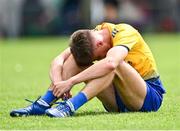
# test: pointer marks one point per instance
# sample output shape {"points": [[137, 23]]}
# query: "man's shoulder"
{"points": [[119, 27], [124, 27], [104, 25]]}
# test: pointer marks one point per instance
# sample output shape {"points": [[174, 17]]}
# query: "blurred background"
{"points": [[19, 18]]}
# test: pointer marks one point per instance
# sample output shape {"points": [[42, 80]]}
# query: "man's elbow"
{"points": [[53, 63], [58, 61], [111, 64]]}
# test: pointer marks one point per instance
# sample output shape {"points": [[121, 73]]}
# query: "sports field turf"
{"points": [[24, 67]]}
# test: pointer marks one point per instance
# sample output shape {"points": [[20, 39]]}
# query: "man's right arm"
{"points": [[56, 66]]}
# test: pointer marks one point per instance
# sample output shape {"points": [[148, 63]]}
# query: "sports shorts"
{"points": [[153, 99]]}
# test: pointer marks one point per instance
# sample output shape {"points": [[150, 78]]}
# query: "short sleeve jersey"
{"points": [[139, 55]]}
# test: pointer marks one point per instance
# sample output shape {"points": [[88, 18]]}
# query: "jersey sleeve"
{"points": [[127, 38]]}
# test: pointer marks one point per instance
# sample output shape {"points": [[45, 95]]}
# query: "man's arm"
{"points": [[56, 66], [113, 58]]}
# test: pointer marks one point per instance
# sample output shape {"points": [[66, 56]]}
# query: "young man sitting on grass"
{"points": [[124, 79]]}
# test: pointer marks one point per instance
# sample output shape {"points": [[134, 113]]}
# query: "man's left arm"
{"points": [[114, 56]]}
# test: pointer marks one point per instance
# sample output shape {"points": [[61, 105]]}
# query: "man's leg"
{"points": [[108, 99], [96, 87], [69, 69], [132, 88], [39, 106]]}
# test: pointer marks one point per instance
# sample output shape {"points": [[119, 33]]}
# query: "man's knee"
{"points": [[70, 68]]}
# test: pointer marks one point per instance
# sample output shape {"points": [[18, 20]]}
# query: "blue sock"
{"points": [[78, 100], [49, 98]]}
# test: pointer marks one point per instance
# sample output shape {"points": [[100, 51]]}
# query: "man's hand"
{"points": [[66, 95], [62, 87]]}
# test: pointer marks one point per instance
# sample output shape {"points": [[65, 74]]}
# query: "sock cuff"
{"points": [[84, 95], [70, 105], [77, 101]]}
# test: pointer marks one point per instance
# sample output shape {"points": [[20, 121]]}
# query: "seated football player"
{"points": [[117, 67]]}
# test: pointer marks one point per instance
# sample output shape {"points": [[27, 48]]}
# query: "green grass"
{"points": [[24, 68]]}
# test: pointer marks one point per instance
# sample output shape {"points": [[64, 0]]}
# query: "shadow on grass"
{"points": [[94, 113], [85, 113]]}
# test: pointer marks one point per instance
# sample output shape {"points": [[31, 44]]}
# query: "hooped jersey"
{"points": [[139, 55]]}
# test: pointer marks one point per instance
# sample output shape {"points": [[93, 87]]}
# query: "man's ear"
{"points": [[99, 43]]}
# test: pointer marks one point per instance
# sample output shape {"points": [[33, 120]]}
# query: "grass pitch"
{"points": [[24, 68]]}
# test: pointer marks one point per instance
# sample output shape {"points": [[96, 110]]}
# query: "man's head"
{"points": [[81, 47], [88, 45]]}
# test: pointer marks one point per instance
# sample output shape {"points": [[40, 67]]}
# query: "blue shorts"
{"points": [[152, 100]]}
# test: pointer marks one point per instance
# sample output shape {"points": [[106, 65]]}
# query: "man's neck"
{"points": [[107, 36]]}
